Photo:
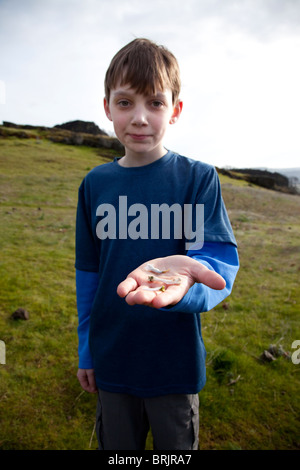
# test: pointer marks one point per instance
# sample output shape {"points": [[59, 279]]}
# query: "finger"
{"points": [[213, 280], [92, 388], [83, 381], [210, 278], [171, 296], [126, 286], [140, 297]]}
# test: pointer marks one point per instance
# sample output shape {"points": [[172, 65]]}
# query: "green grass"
{"points": [[246, 403]]}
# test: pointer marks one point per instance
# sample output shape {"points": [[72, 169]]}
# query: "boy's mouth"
{"points": [[138, 136]]}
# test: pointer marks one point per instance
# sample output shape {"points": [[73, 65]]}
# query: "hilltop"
{"points": [[71, 133], [89, 134], [264, 178]]}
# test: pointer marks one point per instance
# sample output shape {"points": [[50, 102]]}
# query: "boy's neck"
{"points": [[132, 159]]}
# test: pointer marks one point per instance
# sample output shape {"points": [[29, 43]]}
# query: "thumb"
{"points": [[203, 275]]}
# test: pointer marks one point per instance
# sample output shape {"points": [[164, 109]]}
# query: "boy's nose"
{"points": [[139, 117]]}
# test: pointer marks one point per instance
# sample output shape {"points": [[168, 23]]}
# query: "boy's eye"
{"points": [[157, 103], [123, 103]]}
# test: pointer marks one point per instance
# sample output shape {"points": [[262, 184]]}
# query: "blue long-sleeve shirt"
{"points": [[140, 350], [199, 298]]}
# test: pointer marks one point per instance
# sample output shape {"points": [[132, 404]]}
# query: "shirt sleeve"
{"points": [[217, 226], [86, 287], [86, 250], [221, 258]]}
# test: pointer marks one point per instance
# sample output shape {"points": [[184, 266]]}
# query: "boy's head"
{"points": [[146, 67]]}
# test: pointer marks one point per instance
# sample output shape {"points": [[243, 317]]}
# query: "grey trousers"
{"points": [[123, 421]]}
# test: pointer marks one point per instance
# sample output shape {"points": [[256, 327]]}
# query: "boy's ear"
{"points": [[107, 110], [176, 112]]}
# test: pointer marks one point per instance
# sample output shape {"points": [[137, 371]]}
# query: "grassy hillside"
{"points": [[247, 403]]}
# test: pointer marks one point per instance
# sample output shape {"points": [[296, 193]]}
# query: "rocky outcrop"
{"points": [[265, 179], [85, 127], [71, 133]]}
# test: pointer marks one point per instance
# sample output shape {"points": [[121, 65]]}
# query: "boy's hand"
{"points": [[87, 381], [178, 266]]}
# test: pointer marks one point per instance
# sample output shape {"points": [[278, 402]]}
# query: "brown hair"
{"points": [[145, 66]]}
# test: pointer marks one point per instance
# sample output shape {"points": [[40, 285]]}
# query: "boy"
{"points": [[154, 249]]}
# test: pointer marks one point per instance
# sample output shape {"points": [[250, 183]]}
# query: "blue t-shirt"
{"points": [[125, 217]]}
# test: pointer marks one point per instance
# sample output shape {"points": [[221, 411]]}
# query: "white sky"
{"points": [[239, 60]]}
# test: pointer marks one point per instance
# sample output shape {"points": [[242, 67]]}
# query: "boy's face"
{"points": [[140, 121]]}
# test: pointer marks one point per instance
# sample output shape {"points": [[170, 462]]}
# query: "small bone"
{"points": [[161, 288], [151, 268], [165, 281]]}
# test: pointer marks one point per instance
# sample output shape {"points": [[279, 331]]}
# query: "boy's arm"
{"points": [[207, 276], [221, 258], [86, 286]]}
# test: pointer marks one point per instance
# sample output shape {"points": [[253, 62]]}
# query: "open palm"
{"points": [[177, 275]]}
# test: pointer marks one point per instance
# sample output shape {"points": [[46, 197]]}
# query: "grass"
{"points": [[246, 404], [259, 410]]}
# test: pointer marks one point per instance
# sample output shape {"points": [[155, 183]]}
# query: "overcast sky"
{"points": [[239, 60]]}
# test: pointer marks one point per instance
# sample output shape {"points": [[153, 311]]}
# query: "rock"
{"points": [[86, 127], [278, 351], [267, 356], [20, 313], [273, 353], [264, 178]]}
